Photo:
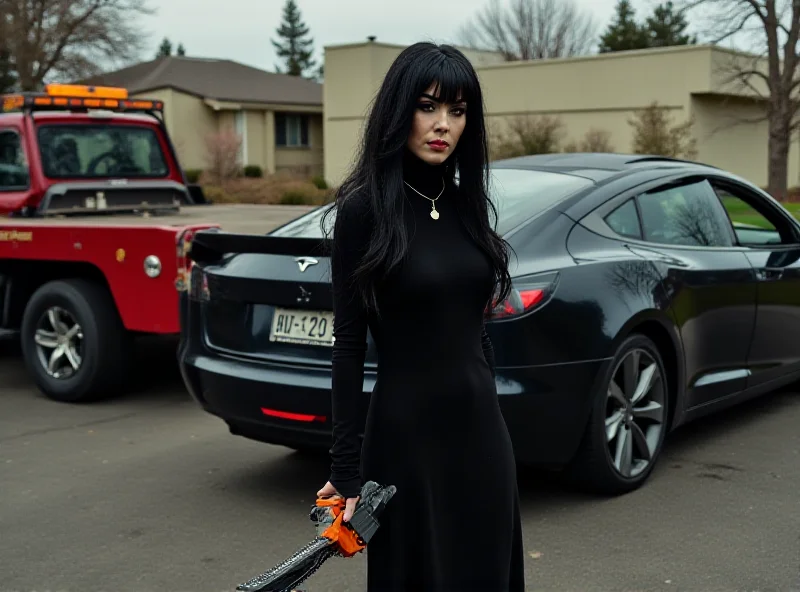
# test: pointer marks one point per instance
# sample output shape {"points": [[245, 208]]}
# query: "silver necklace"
{"points": [[434, 212]]}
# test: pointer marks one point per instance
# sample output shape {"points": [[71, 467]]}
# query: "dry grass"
{"points": [[281, 188]]}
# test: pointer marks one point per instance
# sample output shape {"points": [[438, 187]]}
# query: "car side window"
{"points": [[751, 226], [625, 220], [13, 165], [688, 214]]}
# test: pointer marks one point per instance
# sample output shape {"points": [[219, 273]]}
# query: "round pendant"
{"points": [[434, 214]]}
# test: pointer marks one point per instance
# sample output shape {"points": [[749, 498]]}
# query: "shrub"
{"points": [[296, 197], [319, 182], [216, 194], [222, 155], [595, 140], [253, 171], [192, 175], [655, 133], [268, 190], [529, 134]]}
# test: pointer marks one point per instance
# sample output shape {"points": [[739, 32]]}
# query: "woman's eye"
{"points": [[458, 111], [426, 107]]}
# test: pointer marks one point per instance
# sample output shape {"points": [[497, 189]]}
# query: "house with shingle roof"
{"points": [[278, 117]]}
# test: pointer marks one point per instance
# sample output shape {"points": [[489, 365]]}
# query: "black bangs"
{"points": [[453, 82]]}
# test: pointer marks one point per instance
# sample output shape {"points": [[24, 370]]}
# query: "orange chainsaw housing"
{"points": [[340, 533]]}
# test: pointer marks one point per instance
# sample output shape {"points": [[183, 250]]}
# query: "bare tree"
{"points": [[69, 39], [771, 29], [223, 149], [531, 29]]}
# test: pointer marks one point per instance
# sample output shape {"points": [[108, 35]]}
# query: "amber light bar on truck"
{"points": [[58, 97]]}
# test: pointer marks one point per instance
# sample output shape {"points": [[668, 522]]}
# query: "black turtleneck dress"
{"points": [[434, 428]]}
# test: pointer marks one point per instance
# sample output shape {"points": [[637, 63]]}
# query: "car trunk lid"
{"points": [[266, 297]]}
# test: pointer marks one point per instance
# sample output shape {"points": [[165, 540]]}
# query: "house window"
{"points": [[241, 131], [291, 130]]}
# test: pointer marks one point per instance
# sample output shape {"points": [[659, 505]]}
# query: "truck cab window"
{"points": [[101, 151], [13, 166]]}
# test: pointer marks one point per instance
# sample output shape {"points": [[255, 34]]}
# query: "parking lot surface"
{"points": [[147, 492]]}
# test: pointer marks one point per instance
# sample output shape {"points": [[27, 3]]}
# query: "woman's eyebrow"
{"points": [[435, 100]]}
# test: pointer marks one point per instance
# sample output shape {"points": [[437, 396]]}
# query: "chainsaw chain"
{"points": [[322, 559], [313, 547]]}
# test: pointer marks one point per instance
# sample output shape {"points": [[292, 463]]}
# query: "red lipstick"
{"points": [[439, 145]]}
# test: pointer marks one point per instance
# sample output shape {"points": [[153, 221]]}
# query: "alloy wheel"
{"points": [[635, 413], [59, 343]]}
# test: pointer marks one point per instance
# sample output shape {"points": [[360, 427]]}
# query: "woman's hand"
{"points": [[349, 504]]}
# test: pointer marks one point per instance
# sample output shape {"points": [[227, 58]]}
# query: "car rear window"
{"points": [[522, 194], [518, 195], [100, 151]]}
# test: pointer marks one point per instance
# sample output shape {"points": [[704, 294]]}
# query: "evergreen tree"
{"points": [[181, 51], [7, 78], [666, 27], [296, 47], [165, 49], [624, 32]]}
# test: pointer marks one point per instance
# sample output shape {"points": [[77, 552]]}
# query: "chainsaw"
{"points": [[334, 538]]}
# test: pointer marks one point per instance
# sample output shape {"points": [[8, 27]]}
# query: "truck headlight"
{"points": [[152, 266]]}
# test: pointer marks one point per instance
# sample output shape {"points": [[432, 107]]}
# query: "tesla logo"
{"points": [[305, 262], [305, 295]]}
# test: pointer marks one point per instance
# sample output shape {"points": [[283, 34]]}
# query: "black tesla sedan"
{"points": [[648, 292]]}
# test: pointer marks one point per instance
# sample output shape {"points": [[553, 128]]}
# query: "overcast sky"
{"points": [[241, 29]]}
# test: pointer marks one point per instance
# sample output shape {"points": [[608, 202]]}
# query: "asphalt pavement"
{"points": [[146, 492]]}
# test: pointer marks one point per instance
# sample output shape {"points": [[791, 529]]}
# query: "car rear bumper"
{"points": [[545, 407]]}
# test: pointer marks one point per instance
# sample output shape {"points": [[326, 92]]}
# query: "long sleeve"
{"points": [[488, 350], [351, 233]]}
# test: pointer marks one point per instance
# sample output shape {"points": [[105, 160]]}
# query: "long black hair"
{"points": [[378, 169]]}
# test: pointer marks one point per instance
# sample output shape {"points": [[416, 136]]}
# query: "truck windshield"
{"points": [[100, 151]]}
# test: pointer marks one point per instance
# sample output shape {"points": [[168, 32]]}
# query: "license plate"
{"points": [[304, 327]]}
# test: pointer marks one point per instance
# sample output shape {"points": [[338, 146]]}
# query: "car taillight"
{"points": [[526, 295], [198, 284]]}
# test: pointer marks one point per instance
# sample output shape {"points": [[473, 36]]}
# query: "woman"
{"points": [[416, 260]]}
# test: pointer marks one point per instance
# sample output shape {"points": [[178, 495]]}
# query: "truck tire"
{"points": [[74, 344]]}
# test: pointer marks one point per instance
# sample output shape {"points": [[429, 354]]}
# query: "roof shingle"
{"points": [[224, 80]]}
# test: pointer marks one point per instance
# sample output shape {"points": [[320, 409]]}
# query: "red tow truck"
{"points": [[96, 218]]}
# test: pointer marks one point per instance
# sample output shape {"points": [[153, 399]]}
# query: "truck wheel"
{"points": [[73, 341]]}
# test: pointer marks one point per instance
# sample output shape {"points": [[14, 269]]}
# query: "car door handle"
{"points": [[769, 274]]}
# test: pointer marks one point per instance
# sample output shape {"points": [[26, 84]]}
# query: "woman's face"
{"points": [[436, 128]]}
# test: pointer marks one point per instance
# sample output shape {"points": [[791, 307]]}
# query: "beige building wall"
{"points": [[189, 120], [226, 120], [600, 91]]}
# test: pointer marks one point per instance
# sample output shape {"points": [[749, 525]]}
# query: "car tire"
{"points": [[80, 317], [628, 421]]}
